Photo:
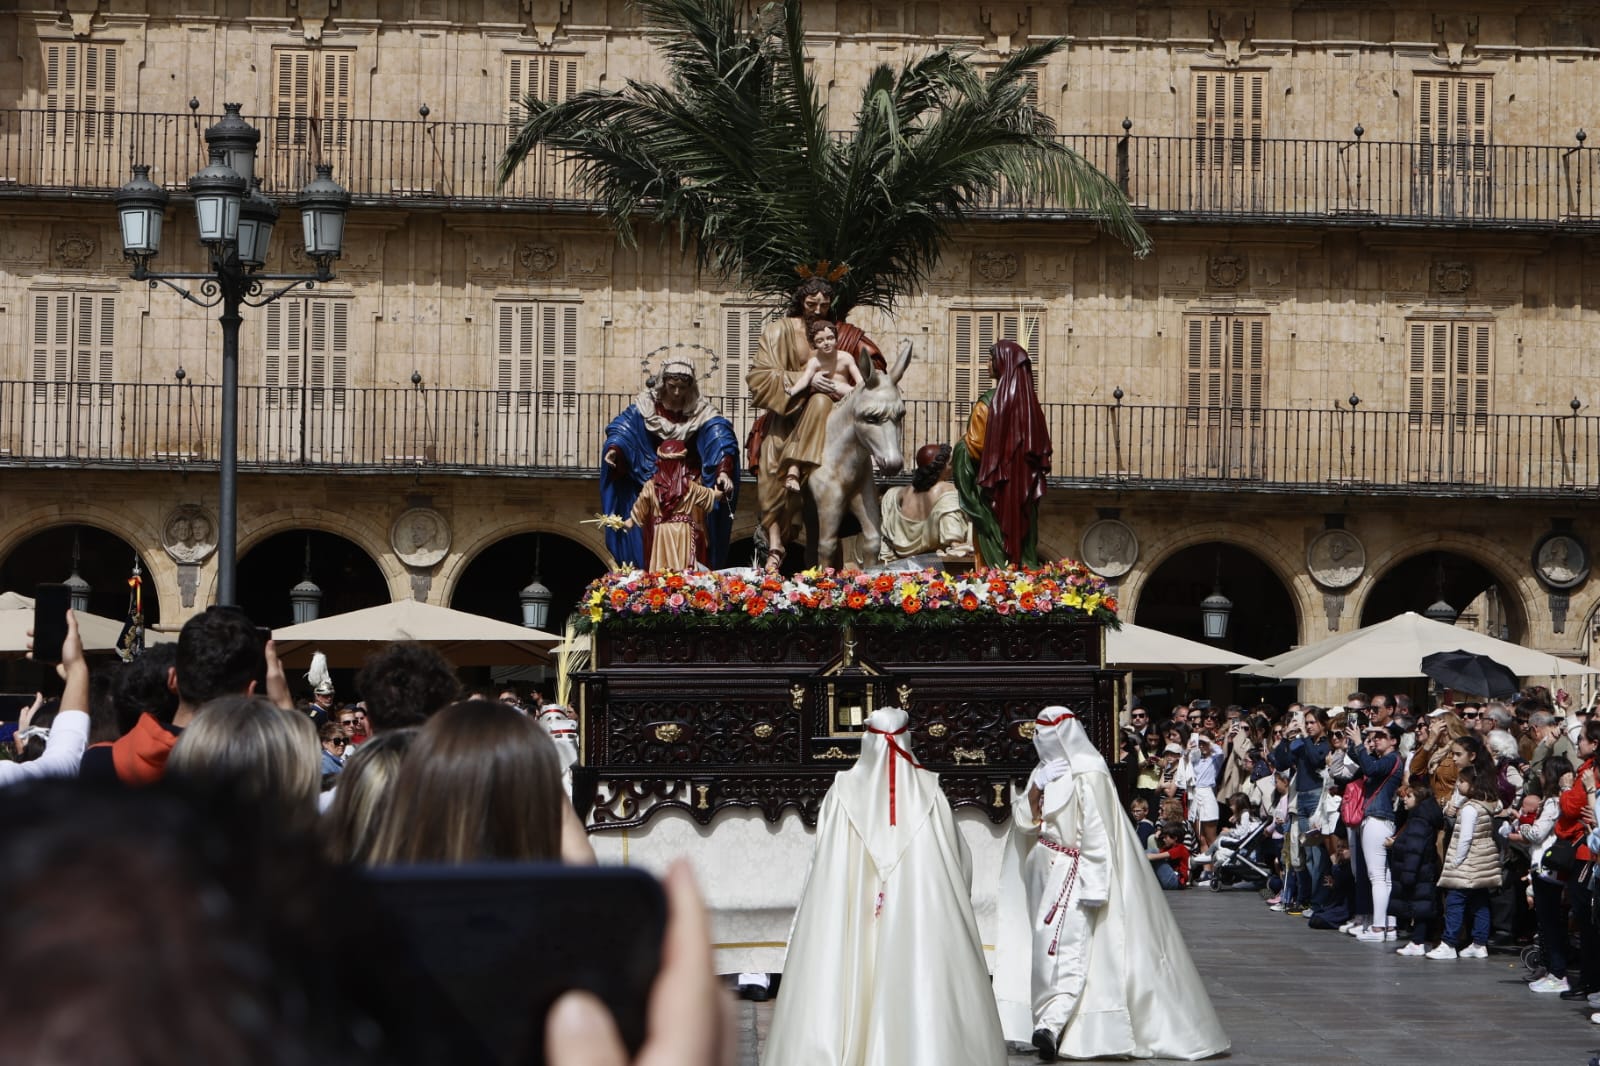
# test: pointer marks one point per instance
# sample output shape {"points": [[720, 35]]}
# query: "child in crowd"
{"points": [[1330, 903], [1414, 863], [1471, 864], [1140, 810], [1172, 861], [1242, 821]]}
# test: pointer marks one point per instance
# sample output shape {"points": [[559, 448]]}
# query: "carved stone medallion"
{"points": [[75, 248], [189, 534], [537, 257], [1336, 559], [1561, 561], [1109, 548], [420, 537], [997, 266], [1451, 276], [1226, 271]]}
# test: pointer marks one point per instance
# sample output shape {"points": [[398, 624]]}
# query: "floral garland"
{"points": [[1065, 590]]}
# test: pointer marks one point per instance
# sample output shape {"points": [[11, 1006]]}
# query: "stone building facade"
{"points": [[1350, 379]]}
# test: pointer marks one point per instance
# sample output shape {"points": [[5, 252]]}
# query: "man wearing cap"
{"points": [[925, 516], [671, 510], [669, 407]]}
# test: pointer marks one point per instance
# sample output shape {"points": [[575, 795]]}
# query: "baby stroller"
{"points": [[1234, 862]]}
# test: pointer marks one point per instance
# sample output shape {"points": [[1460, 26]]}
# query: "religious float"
{"points": [[720, 705]]}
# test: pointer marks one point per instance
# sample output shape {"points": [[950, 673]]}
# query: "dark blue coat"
{"points": [[1306, 758], [1414, 862]]}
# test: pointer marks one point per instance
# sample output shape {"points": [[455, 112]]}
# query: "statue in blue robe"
{"points": [[669, 407]]}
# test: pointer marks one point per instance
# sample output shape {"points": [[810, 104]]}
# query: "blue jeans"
{"points": [[1316, 858], [1459, 903], [1166, 875]]}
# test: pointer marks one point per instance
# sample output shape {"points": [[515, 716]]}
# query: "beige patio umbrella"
{"points": [[97, 632], [1134, 645], [1395, 649], [463, 638]]}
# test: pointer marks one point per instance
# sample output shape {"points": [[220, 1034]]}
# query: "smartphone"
{"points": [[50, 606], [485, 950], [264, 634]]}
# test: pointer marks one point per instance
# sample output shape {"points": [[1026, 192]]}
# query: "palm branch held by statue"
{"points": [[736, 153]]}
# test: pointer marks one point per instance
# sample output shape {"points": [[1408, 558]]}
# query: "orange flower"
{"points": [[675, 581], [855, 600], [1111, 603], [883, 583], [911, 605], [1027, 601], [808, 600], [619, 598], [702, 599], [656, 597], [969, 602], [755, 607], [737, 587]]}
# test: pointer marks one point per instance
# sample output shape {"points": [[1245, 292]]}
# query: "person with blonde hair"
{"points": [[482, 782], [1433, 749], [249, 751], [366, 789]]}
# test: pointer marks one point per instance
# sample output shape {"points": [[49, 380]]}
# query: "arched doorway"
{"points": [[105, 561], [347, 575], [1262, 622], [1471, 590], [490, 583]]}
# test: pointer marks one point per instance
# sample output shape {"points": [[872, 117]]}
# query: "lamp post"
{"points": [[235, 220]]}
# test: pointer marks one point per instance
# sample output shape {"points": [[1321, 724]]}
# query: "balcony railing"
{"points": [[1355, 182], [1336, 451]]}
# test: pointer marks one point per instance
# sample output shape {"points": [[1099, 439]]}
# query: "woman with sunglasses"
{"points": [[334, 744], [1381, 776]]}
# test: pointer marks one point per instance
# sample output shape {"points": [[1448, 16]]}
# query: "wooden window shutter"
{"points": [[1428, 373], [962, 360], [105, 347], [339, 351], [734, 351], [1194, 362], [517, 70], [505, 353], [52, 345], [549, 341], [272, 358], [319, 341], [1215, 340], [1025, 328], [291, 96], [1255, 392], [552, 78], [526, 345], [984, 336], [334, 105], [99, 93]]}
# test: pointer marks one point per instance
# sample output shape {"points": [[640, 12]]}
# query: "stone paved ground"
{"points": [[1289, 996]]}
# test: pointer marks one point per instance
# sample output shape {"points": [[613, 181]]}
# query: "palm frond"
{"points": [[734, 154]]}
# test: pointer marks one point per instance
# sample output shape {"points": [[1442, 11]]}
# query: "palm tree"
{"points": [[735, 153]]}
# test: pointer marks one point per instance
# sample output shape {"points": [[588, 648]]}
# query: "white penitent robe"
{"points": [[1088, 948], [885, 964]]}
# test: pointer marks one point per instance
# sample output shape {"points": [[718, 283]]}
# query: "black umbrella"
{"points": [[1469, 672]]}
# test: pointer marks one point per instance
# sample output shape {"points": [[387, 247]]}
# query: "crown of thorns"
{"points": [[823, 268]]}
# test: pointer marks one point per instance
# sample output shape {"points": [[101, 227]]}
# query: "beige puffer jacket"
{"points": [[1481, 867]]}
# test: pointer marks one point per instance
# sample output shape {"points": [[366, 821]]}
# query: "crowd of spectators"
{"points": [[192, 890], [1442, 834]]}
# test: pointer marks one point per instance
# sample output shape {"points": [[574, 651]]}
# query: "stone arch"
{"points": [[374, 542], [448, 575], [489, 581], [127, 525], [350, 577], [1522, 589], [1288, 568]]}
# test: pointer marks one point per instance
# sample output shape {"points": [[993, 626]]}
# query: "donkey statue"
{"points": [[863, 437]]}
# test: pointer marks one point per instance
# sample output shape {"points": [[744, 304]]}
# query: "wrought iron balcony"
{"points": [[530, 434], [1322, 182]]}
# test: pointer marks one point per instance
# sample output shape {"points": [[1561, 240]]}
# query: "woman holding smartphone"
{"points": [[1379, 759]]}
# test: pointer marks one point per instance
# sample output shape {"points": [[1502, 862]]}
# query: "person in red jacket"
{"points": [[1577, 817]]}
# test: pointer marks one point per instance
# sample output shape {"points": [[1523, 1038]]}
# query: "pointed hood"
{"points": [[887, 795]]}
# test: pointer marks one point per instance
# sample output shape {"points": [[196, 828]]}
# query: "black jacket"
{"points": [[1414, 861]]}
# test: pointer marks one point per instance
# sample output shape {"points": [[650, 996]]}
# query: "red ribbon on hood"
{"points": [[895, 750]]}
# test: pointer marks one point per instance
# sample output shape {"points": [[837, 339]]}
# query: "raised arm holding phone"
{"points": [[69, 734]]}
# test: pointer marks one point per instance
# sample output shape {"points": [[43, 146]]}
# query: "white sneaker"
{"points": [[1474, 951], [1416, 951], [1594, 999], [1595, 1018], [1443, 951], [1345, 928], [1356, 930], [1547, 983], [1374, 935], [1277, 907]]}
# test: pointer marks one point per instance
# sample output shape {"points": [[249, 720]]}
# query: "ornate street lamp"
{"points": [[535, 596], [305, 599], [235, 220], [1215, 608], [77, 588]]}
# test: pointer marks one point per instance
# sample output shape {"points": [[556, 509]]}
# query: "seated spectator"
{"points": [[1333, 899], [366, 788], [1171, 863], [1139, 809], [248, 754], [1414, 859]]}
